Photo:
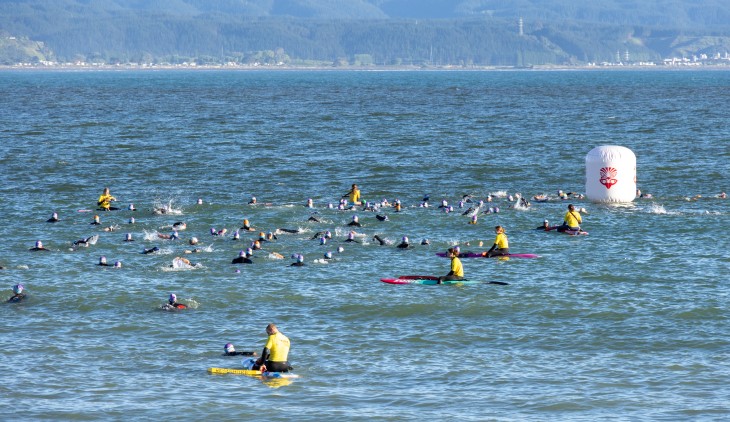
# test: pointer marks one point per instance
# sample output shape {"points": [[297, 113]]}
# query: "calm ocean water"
{"points": [[627, 323]]}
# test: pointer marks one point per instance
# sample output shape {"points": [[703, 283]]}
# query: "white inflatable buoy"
{"points": [[611, 174]]}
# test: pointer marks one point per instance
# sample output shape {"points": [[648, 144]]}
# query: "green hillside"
{"points": [[379, 32]]}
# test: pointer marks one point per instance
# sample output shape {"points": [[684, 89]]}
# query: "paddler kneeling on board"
{"points": [[457, 270], [572, 220], [275, 353], [501, 244]]}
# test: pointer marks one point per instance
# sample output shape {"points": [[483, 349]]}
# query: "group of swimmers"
{"points": [[350, 200]]}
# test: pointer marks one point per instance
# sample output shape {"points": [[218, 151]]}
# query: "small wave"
{"points": [[499, 194], [518, 206], [657, 209], [160, 208], [150, 235]]}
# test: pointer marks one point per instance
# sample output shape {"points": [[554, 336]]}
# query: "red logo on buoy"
{"points": [[608, 177]]}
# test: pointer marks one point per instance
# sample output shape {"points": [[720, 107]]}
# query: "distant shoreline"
{"points": [[284, 68]]}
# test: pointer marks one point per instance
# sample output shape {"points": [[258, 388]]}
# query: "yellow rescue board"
{"points": [[250, 372]]}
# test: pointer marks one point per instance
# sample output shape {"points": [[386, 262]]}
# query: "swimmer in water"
{"points": [[351, 237], [247, 226], [183, 260], [280, 231], [379, 239], [546, 226], [18, 295], [38, 247], [229, 350], [151, 250], [326, 234], [221, 232], [425, 242], [404, 243], [243, 258], [299, 262], [381, 217], [91, 240], [128, 238], [172, 303], [172, 236], [105, 201], [501, 244], [193, 241], [252, 201], [118, 264], [53, 219], [110, 228], [355, 222], [179, 225], [313, 218], [328, 255], [131, 207], [96, 221], [102, 262], [310, 203], [256, 245]]}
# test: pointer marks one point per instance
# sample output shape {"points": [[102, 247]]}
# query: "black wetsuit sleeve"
{"points": [[265, 355]]}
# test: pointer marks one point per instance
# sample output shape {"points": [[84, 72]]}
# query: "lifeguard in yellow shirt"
{"points": [[572, 220], [353, 195], [457, 270], [276, 352], [105, 201], [501, 244]]}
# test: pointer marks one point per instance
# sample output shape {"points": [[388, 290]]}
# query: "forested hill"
{"points": [[363, 32], [674, 14]]}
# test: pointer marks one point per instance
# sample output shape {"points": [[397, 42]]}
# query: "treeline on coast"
{"points": [[68, 32]]}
